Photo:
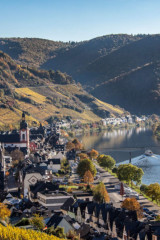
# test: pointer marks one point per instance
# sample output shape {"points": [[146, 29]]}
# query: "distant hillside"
{"points": [[73, 58], [137, 90], [42, 94], [31, 51]]}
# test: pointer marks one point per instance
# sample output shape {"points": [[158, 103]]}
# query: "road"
{"points": [[110, 181], [115, 197]]}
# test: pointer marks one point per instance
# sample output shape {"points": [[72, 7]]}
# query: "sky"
{"points": [[77, 20]]}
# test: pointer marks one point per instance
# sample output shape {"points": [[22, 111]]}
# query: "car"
{"points": [[145, 214], [117, 186], [146, 210], [154, 215], [150, 218], [133, 195], [150, 212]]}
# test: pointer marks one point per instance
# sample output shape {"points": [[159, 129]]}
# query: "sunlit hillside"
{"points": [[11, 233]]}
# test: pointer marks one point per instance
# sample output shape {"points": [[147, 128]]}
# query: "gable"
{"points": [[67, 226]]}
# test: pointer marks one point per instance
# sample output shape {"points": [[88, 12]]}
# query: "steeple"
{"points": [[23, 124]]}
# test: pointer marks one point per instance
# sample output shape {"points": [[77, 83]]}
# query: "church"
{"points": [[15, 139]]}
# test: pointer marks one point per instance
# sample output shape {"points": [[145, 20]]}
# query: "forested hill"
{"points": [[43, 94], [118, 69], [32, 51]]}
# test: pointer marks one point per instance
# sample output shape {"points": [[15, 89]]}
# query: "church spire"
{"points": [[23, 124]]}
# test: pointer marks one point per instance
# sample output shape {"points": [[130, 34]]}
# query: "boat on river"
{"points": [[148, 152], [144, 160]]}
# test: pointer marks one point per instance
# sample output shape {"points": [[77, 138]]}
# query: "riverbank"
{"points": [[113, 180]]}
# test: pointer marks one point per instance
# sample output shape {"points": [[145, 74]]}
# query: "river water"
{"points": [[123, 143]]}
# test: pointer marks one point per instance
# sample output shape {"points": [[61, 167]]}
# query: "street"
{"points": [[110, 181]]}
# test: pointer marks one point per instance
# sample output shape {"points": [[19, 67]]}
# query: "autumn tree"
{"points": [[17, 156], [129, 173], [70, 146], [106, 161], [133, 205], [77, 144], [100, 194], [153, 191], [72, 235], [37, 222], [4, 212], [93, 154], [84, 166], [88, 177], [83, 156]]}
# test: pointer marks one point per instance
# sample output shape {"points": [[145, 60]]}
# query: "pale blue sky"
{"points": [[77, 20]]}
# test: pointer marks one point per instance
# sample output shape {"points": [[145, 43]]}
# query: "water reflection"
{"points": [[119, 143]]}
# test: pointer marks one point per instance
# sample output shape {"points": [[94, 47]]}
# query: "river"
{"points": [[123, 143]]}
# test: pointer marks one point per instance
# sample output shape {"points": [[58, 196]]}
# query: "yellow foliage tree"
{"points": [[88, 177], [10, 233], [153, 191], [37, 222], [83, 156], [133, 205], [70, 146], [93, 154], [100, 193], [4, 212]]}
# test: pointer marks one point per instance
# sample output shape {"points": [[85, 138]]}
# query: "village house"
{"points": [[52, 199]]}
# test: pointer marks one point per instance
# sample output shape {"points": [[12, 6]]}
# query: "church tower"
{"points": [[24, 132]]}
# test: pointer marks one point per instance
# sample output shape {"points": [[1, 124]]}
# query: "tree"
{"points": [[72, 235], [129, 173], [158, 218], [84, 166], [144, 188], [93, 154], [133, 205], [4, 212], [77, 144], [106, 161], [37, 222], [58, 232], [65, 165], [100, 193], [88, 177], [122, 190], [153, 191], [17, 156], [83, 156], [70, 146]]}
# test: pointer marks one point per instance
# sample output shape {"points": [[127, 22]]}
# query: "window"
{"points": [[23, 136]]}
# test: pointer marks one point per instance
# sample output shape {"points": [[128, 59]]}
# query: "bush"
{"points": [[144, 188], [22, 222], [115, 170]]}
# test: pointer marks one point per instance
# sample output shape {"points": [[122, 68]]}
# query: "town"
{"points": [[52, 184]]}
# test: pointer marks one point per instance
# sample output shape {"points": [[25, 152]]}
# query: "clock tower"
{"points": [[24, 132]]}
